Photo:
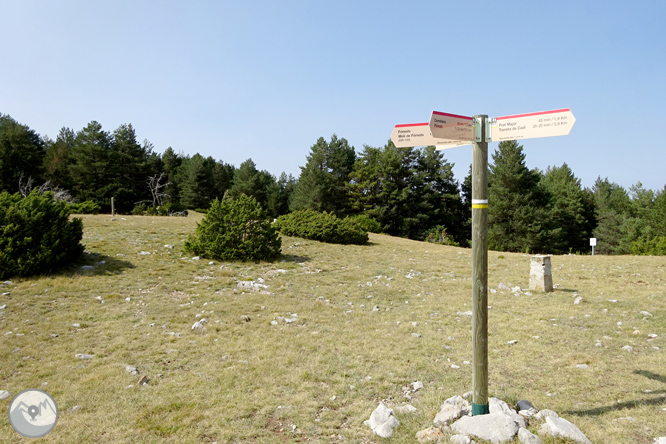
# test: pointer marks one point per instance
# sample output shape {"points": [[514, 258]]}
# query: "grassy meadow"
{"points": [[353, 325]]}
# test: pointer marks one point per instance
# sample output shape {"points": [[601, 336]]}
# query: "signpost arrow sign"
{"points": [[418, 134], [533, 125], [451, 126]]}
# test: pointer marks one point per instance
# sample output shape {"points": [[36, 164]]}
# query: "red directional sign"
{"points": [[533, 125], [418, 134], [451, 126]]}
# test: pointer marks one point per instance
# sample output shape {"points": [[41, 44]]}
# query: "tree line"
{"points": [[409, 192]]}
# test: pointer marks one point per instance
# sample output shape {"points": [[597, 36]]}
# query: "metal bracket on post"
{"points": [[477, 129], [490, 121]]}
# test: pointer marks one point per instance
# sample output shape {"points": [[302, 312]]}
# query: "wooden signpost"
{"points": [[455, 130]]}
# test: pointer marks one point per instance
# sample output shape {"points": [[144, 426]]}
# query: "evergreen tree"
{"points": [[322, 185], [57, 159], [89, 167], [129, 168], [197, 182], [21, 154], [250, 181], [612, 208], [223, 178], [570, 211], [517, 214], [172, 163]]}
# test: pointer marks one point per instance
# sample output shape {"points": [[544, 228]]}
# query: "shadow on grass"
{"points": [[565, 290], [294, 258], [660, 400], [101, 265]]}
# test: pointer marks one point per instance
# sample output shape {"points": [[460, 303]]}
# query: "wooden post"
{"points": [[112, 209], [480, 268]]}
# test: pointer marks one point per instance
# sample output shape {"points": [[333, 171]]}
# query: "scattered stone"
{"points": [[4, 394], [516, 290], [514, 342], [578, 300], [455, 367], [144, 253], [599, 344], [198, 325], [274, 322], [650, 336], [582, 366], [253, 285], [404, 409], [144, 380], [661, 440], [545, 413], [527, 437], [7, 293], [502, 286], [495, 427], [628, 348], [465, 313], [76, 407], [168, 246], [496, 405], [211, 263], [416, 335], [431, 434], [461, 439], [131, 370], [54, 335], [7, 283], [196, 258], [413, 387], [561, 428], [452, 409], [382, 421], [646, 313], [246, 318], [127, 299], [83, 356], [87, 267], [2, 307]]}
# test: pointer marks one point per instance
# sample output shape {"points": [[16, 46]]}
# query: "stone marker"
{"points": [[541, 277]]}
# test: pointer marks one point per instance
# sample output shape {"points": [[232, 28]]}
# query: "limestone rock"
{"points": [[495, 427], [496, 405], [561, 428], [382, 421], [83, 356], [460, 439], [503, 286], [452, 409], [407, 408], [661, 440], [545, 413], [131, 370], [431, 434], [527, 437], [4, 394]]}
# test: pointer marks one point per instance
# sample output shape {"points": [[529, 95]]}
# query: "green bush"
{"points": [[366, 223], [36, 235], [324, 227], [235, 229], [654, 246], [86, 207], [438, 235], [169, 209]]}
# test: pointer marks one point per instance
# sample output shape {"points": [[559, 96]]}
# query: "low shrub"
{"points": [[324, 227], [438, 235], [85, 207], [169, 209], [235, 229], [366, 223], [36, 235], [646, 246]]}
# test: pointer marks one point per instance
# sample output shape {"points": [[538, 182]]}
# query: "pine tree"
{"points": [[196, 181], [322, 185], [21, 154], [57, 159], [250, 181], [517, 215], [612, 208], [89, 167], [570, 211]]}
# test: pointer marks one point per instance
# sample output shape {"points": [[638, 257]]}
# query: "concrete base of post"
{"points": [[541, 277]]}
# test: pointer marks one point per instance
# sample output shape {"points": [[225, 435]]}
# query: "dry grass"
{"points": [[318, 378]]}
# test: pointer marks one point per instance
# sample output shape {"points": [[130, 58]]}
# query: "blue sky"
{"points": [[265, 79]]}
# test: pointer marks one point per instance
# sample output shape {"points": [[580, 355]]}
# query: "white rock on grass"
{"points": [[494, 427], [527, 437], [83, 356], [382, 421], [460, 439], [4, 394], [628, 348], [431, 434], [496, 405], [131, 370], [561, 428], [404, 409], [661, 440], [452, 409]]}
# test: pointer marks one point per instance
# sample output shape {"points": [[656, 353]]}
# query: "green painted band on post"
{"points": [[480, 409]]}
